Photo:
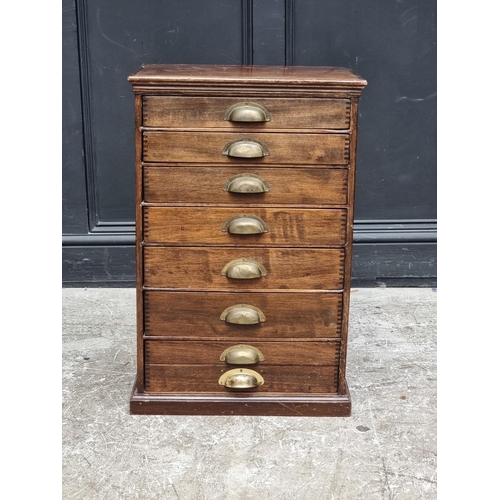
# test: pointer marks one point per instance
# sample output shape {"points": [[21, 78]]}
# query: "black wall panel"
{"points": [[116, 37], [391, 44], [74, 191], [268, 28]]}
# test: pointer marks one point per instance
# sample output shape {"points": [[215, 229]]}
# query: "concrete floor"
{"points": [[385, 450]]}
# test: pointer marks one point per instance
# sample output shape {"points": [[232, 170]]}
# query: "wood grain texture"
{"points": [[200, 268], [286, 227], [349, 253], [197, 352], [279, 379], [207, 75], [290, 186], [197, 315], [138, 242], [307, 251], [326, 149], [200, 112], [308, 405]]}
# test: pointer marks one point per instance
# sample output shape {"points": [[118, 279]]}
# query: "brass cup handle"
{"points": [[245, 224], [242, 354], [245, 148], [244, 269], [246, 183], [247, 112], [241, 379], [242, 314]]}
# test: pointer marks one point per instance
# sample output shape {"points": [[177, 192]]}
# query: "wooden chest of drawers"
{"points": [[245, 191]]}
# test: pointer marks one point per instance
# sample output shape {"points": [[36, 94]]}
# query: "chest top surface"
{"points": [[322, 76]]}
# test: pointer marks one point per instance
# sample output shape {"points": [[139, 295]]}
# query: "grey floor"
{"points": [[385, 450]]}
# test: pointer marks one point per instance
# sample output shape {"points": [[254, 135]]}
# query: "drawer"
{"points": [[233, 185], [290, 379], [256, 226], [207, 147], [198, 315], [281, 269], [195, 352], [192, 366], [200, 112]]}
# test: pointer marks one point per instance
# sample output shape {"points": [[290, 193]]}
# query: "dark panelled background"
{"points": [[391, 44]]}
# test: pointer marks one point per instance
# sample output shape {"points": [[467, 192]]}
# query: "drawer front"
{"points": [[255, 227], [205, 379], [293, 186], [289, 149], [201, 268], [197, 352], [198, 315], [200, 112]]}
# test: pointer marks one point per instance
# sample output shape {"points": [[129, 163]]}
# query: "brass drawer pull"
{"points": [[246, 183], [244, 269], [245, 224], [245, 148], [241, 379], [247, 112], [243, 314], [242, 355]]}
